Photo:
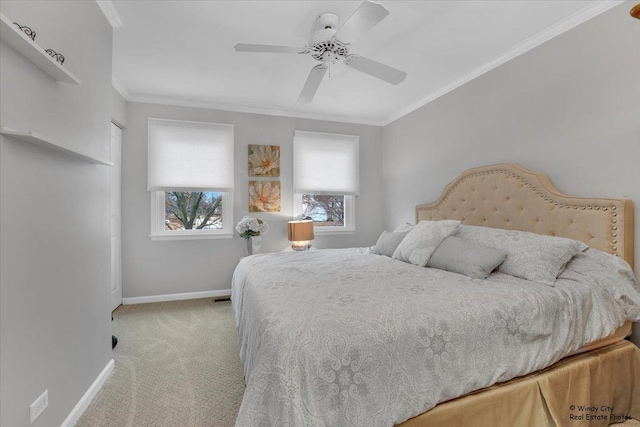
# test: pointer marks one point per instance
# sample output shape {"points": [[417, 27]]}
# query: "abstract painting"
{"points": [[264, 160], [264, 196]]}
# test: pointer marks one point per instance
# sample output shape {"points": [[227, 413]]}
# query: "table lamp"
{"points": [[299, 234]]}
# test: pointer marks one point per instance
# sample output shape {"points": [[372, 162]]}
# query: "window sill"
{"points": [[327, 231], [198, 236]]}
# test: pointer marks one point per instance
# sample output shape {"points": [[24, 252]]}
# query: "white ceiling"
{"points": [[181, 52]]}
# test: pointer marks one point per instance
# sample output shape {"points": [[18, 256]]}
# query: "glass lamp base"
{"points": [[300, 246]]}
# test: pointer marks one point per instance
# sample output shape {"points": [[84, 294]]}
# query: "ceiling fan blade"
{"points": [[362, 20], [241, 47], [311, 85], [376, 69]]}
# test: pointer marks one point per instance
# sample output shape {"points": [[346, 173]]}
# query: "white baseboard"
{"points": [[84, 402], [176, 297]]}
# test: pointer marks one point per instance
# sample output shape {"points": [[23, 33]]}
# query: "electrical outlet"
{"points": [[40, 404]]}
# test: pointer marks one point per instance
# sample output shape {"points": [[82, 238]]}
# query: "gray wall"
{"points": [[118, 108], [149, 267], [54, 254], [569, 108]]}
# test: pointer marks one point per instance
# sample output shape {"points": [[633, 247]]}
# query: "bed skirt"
{"points": [[592, 389]]}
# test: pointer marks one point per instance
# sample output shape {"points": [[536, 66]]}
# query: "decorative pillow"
{"points": [[388, 242], [404, 228], [462, 257], [423, 239], [530, 256]]}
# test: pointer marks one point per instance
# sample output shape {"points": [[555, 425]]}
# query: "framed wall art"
{"points": [[264, 160], [264, 196]]}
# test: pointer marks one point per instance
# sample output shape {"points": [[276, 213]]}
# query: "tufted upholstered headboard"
{"points": [[511, 197]]}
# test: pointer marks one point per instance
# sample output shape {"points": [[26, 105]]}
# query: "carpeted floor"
{"points": [[176, 364]]}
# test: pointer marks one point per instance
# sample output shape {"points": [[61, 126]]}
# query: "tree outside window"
{"points": [[192, 210], [324, 210]]}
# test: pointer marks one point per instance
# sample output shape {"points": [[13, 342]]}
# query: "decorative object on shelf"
{"points": [[299, 234], [251, 229], [25, 46], [264, 196], [28, 31], [635, 11], [55, 55], [264, 160]]}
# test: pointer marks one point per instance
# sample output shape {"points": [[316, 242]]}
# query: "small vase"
{"points": [[254, 244], [249, 246]]}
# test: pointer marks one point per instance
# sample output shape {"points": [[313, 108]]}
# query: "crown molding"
{"points": [[562, 26], [151, 99], [109, 9], [122, 90]]}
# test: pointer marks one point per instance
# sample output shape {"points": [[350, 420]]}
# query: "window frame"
{"points": [[349, 216], [349, 199], [158, 231]]}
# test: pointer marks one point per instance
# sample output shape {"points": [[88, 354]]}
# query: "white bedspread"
{"points": [[348, 338]]}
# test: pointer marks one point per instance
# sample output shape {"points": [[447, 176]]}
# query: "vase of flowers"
{"points": [[252, 229]]}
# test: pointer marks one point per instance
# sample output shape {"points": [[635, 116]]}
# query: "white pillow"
{"points": [[530, 256], [388, 242], [423, 239], [404, 228], [462, 257]]}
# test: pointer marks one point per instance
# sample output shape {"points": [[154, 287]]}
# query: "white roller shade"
{"points": [[190, 156], [326, 163]]}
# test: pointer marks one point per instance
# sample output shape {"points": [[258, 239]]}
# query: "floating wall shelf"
{"points": [[43, 141], [11, 34]]}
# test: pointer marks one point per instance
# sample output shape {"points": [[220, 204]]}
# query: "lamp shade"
{"points": [[300, 231]]}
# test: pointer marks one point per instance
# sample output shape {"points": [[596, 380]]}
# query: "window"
{"points": [[326, 180], [324, 210], [190, 177], [192, 210]]}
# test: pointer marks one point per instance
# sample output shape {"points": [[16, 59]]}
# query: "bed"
{"points": [[348, 337]]}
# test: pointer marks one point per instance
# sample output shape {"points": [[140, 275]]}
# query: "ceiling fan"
{"points": [[330, 44]]}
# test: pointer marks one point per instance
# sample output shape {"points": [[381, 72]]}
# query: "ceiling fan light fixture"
{"points": [[329, 44], [336, 47], [329, 58]]}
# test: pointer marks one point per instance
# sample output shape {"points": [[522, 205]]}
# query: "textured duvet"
{"points": [[345, 337]]}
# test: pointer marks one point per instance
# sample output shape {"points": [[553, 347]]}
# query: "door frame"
{"points": [[115, 216]]}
